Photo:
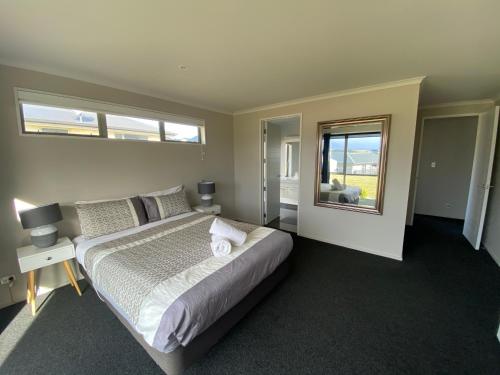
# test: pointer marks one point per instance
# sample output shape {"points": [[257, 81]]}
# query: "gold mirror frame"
{"points": [[322, 125]]}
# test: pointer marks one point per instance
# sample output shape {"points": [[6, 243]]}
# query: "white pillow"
{"points": [[168, 191]]}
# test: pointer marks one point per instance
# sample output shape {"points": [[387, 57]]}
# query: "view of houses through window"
{"points": [[124, 127], [354, 161], [181, 133], [44, 119]]}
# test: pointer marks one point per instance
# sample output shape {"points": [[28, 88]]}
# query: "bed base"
{"points": [[175, 362]]}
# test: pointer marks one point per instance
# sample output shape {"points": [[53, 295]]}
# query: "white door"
{"points": [[272, 172], [481, 176]]}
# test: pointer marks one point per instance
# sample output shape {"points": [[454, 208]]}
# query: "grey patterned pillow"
{"points": [[104, 217], [163, 206]]}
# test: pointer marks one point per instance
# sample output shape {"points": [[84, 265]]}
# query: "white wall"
{"points": [[443, 190], [62, 169], [382, 235]]}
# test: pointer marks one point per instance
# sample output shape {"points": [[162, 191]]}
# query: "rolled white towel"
{"points": [[223, 229], [220, 247], [216, 238]]}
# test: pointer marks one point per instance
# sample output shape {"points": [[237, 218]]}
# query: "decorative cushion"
{"points": [[163, 206], [98, 218], [337, 185]]}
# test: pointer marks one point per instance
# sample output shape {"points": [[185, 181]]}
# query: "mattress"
{"points": [[349, 195], [163, 280]]}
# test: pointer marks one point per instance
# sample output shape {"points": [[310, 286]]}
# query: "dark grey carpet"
{"points": [[289, 220], [274, 224], [340, 311]]}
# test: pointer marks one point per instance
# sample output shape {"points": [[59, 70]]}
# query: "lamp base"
{"points": [[207, 200], [44, 236]]}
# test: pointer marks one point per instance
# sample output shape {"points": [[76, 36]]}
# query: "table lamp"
{"points": [[206, 189], [40, 219]]}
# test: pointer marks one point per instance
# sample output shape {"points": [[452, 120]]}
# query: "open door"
{"points": [[272, 165], [482, 167]]}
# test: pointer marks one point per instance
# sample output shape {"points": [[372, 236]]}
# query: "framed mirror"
{"points": [[351, 163]]}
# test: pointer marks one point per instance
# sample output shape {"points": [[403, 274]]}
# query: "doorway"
{"points": [[281, 171], [454, 169]]}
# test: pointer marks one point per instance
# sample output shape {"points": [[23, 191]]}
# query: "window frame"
{"points": [[102, 109]]}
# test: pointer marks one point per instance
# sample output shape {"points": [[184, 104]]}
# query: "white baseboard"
{"points": [[356, 248]]}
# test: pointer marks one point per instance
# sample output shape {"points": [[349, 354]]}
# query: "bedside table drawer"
{"points": [[46, 258]]}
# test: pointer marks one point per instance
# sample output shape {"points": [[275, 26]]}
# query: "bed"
{"points": [[163, 283], [349, 194]]}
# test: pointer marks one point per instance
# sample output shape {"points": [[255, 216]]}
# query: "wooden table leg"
{"points": [[71, 277], [32, 292], [28, 292]]}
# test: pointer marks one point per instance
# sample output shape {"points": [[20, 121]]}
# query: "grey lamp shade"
{"points": [[40, 216], [206, 187]]}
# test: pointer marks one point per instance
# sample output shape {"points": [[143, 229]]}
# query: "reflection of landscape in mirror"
{"points": [[350, 164]]}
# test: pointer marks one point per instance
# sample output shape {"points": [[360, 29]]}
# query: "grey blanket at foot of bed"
{"points": [[166, 282], [192, 313]]}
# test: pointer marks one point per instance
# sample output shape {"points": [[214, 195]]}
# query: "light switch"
{"points": [[433, 164]]}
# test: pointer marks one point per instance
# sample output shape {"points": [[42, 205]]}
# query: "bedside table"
{"points": [[214, 209], [32, 258]]}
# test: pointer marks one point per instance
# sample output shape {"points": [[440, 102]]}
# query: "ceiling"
{"points": [[241, 54]]}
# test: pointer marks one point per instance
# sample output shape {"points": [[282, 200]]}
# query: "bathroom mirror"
{"points": [[290, 150], [351, 163]]}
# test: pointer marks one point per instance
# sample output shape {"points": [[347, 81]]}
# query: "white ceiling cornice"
{"points": [[459, 104], [108, 83], [334, 94], [112, 84]]}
